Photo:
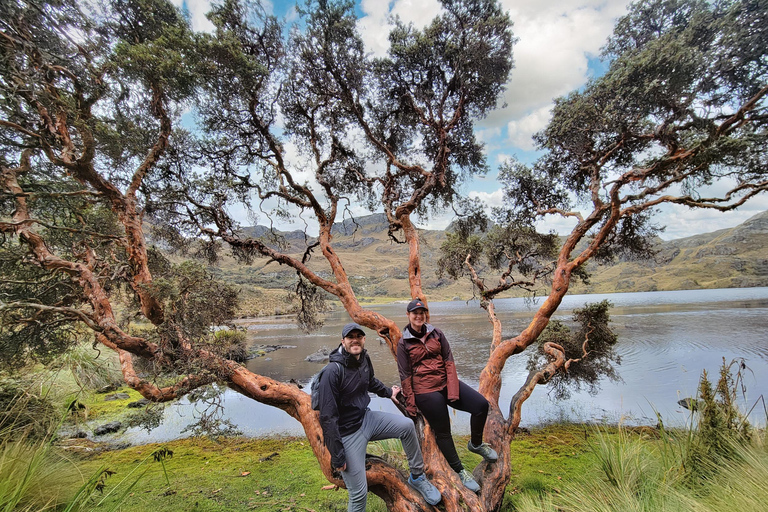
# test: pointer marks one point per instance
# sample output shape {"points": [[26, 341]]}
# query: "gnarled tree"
{"points": [[306, 123]]}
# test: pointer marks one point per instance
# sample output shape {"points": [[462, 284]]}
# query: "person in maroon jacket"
{"points": [[429, 383]]}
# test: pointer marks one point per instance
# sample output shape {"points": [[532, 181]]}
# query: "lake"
{"points": [[666, 339]]}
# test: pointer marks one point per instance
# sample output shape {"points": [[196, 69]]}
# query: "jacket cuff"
{"points": [[339, 461]]}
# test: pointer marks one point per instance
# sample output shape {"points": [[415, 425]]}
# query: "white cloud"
{"points": [[374, 26], [197, 10], [682, 221], [291, 15], [551, 57], [556, 223], [418, 12], [488, 135], [491, 199], [519, 132]]}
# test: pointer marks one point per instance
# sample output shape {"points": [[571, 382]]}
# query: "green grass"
{"points": [[234, 474], [33, 477], [283, 474], [545, 460], [103, 409], [632, 473]]}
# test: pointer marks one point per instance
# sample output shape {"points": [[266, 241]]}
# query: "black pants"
{"points": [[434, 407]]}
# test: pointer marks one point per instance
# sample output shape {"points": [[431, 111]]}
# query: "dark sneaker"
{"points": [[468, 480], [488, 453], [425, 487]]}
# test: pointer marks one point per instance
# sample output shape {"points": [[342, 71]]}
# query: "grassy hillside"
{"points": [[728, 258], [377, 266]]}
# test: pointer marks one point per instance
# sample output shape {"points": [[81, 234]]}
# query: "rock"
{"points": [[716, 250], [691, 404], [321, 356], [269, 457], [139, 403], [262, 350], [109, 388], [79, 435], [358, 244], [117, 396], [107, 428]]}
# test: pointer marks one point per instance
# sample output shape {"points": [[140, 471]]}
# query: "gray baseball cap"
{"points": [[351, 327]]}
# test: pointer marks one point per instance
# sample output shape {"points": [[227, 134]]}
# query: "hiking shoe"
{"points": [[425, 487], [468, 480], [488, 453]]}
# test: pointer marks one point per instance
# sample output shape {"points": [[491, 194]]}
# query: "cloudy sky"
{"points": [[557, 49]]}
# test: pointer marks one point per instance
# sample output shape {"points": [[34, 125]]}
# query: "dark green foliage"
{"points": [[455, 251], [96, 86], [326, 92], [721, 426], [633, 239], [600, 358], [194, 301], [209, 415], [515, 252], [313, 304], [27, 331], [458, 63], [525, 186]]}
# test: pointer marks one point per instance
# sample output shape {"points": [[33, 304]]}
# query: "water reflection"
{"points": [[665, 340]]}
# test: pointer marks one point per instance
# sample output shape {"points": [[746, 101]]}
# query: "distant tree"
{"points": [[305, 123]]}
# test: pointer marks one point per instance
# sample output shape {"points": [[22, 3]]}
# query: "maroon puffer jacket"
{"points": [[426, 364]]}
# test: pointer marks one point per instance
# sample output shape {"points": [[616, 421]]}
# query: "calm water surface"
{"points": [[666, 339]]}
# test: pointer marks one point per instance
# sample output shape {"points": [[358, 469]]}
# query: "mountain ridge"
{"points": [[377, 266]]}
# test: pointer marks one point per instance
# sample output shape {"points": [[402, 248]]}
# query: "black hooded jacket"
{"points": [[344, 398]]}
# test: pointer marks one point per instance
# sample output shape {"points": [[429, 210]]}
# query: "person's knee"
{"points": [[404, 427], [479, 408]]}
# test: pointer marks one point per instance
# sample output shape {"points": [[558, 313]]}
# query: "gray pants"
{"points": [[376, 425]]}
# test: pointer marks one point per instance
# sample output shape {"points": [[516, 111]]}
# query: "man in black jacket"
{"points": [[348, 424]]}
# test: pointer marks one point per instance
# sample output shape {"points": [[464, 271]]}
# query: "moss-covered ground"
{"points": [[282, 474]]}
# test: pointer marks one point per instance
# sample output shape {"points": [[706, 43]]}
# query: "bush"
{"points": [[22, 413]]}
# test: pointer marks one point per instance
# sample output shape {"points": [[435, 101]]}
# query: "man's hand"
{"points": [[395, 391], [342, 468]]}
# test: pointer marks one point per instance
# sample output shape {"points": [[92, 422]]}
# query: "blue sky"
{"points": [[557, 51]]}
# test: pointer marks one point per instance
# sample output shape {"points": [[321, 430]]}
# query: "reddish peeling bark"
{"points": [[414, 258]]}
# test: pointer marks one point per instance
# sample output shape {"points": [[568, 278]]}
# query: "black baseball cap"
{"points": [[416, 303], [351, 327]]}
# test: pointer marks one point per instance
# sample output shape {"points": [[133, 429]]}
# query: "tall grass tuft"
{"points": [[32, 475], [718, 464], [740, 483], [391, 450], [90, 368]]}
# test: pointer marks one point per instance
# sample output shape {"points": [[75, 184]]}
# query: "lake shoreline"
{"points": [[666, 340]]}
